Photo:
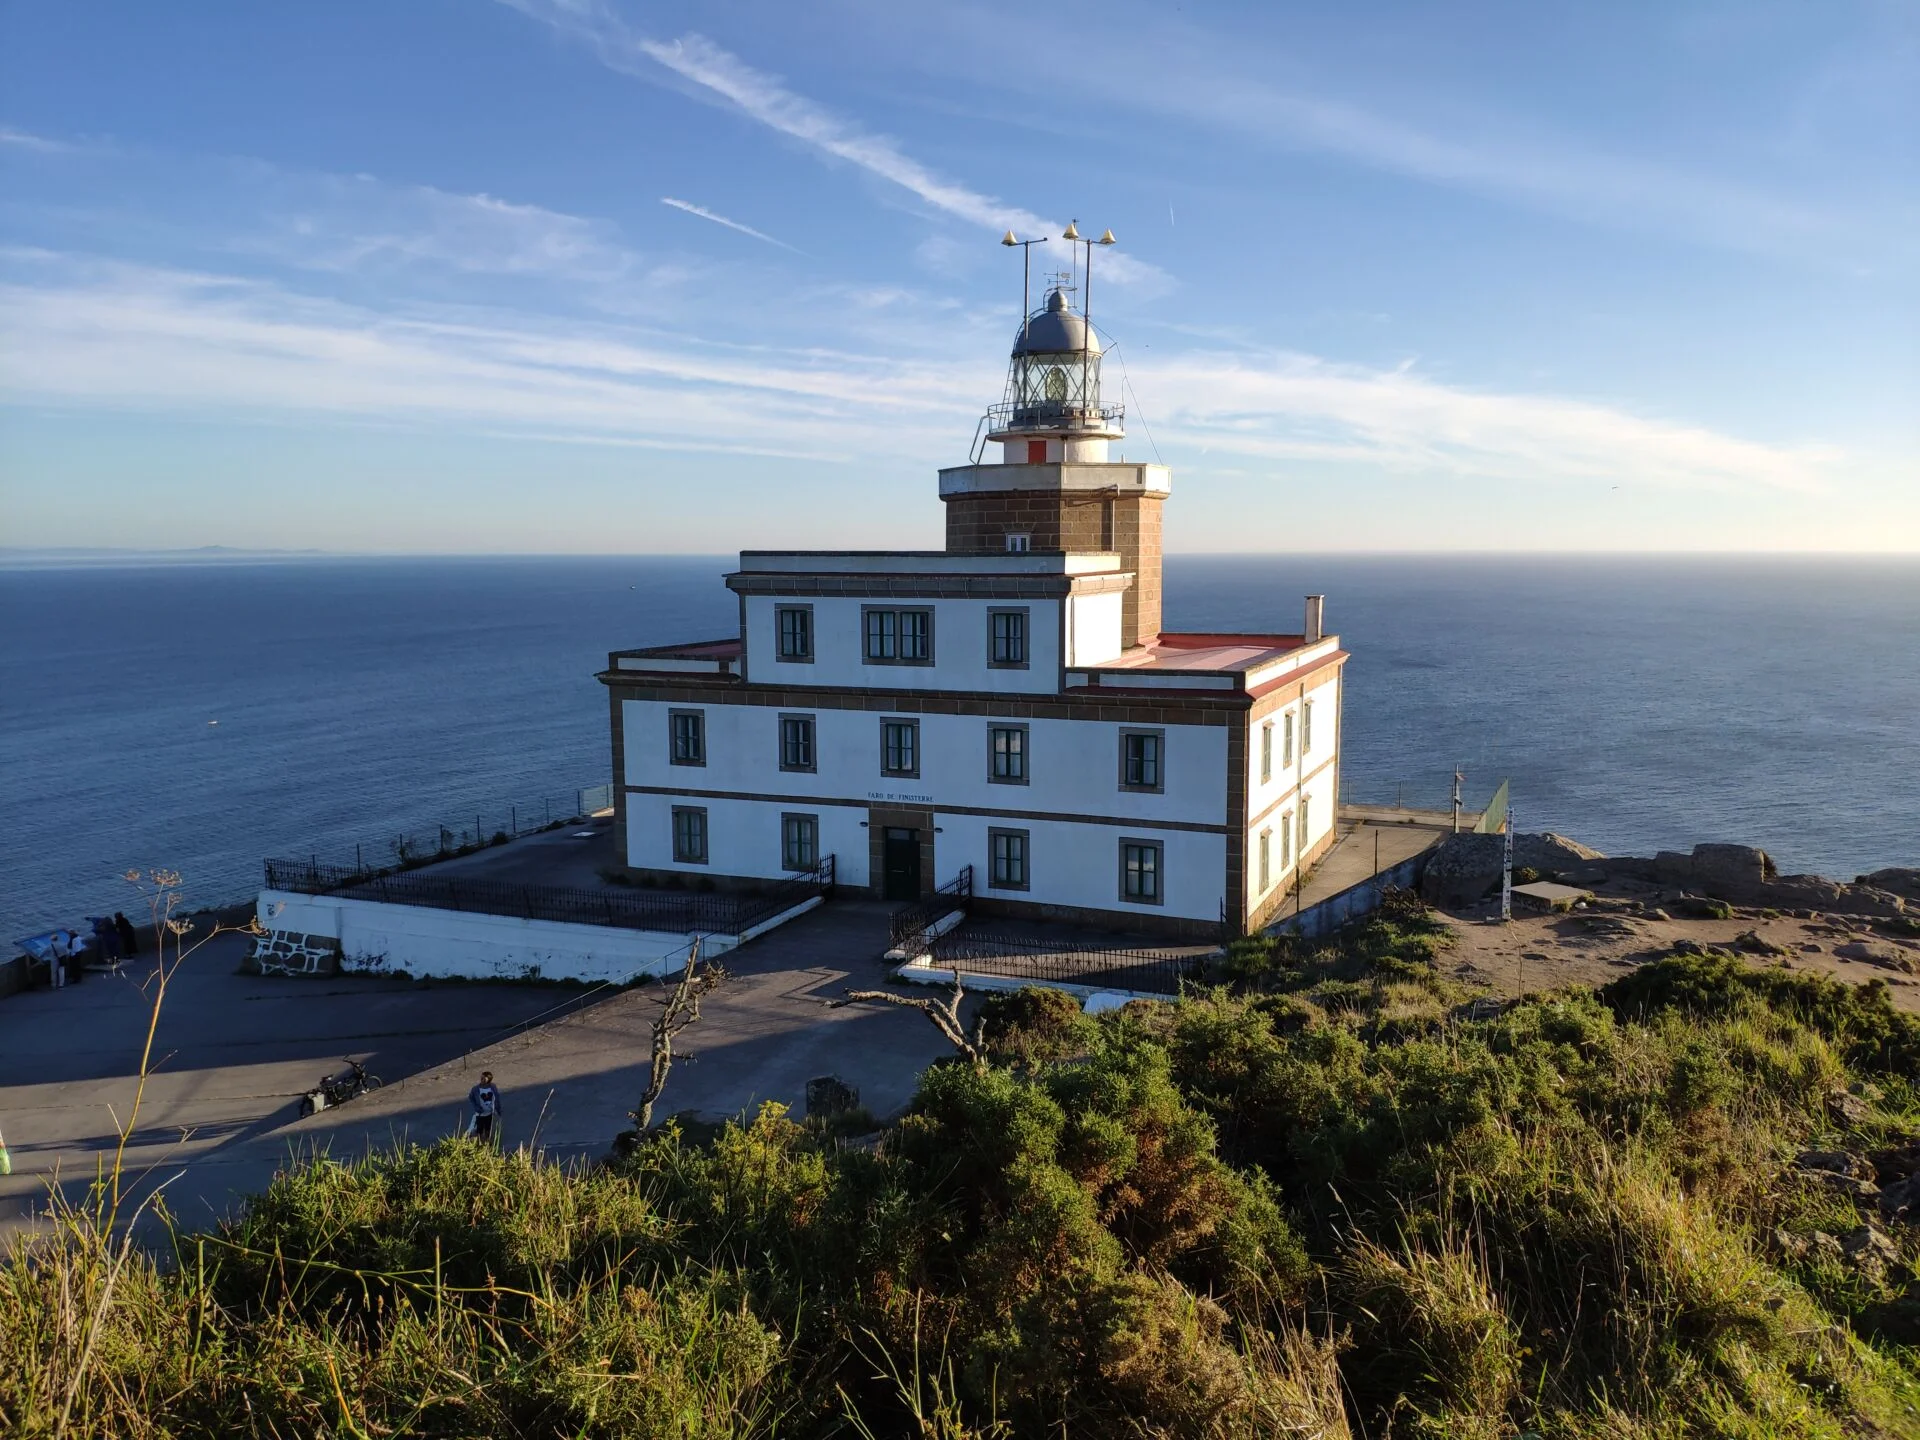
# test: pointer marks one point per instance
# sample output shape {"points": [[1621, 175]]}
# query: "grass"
{"points": [[1322, 1202]]}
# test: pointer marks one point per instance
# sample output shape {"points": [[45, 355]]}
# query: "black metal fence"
{"points": [[1153, 970], [906, 926], [671, 910]]}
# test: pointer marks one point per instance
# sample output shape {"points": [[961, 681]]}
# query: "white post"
{"points": [[1506, 872]]}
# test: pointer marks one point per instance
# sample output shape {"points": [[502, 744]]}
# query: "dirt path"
{"points": [[1535, 953]]}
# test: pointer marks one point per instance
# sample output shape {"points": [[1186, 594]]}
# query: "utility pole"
{"points": [[1506, 873]]}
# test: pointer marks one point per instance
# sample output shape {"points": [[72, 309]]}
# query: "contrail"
{"points": [[706, 214]]}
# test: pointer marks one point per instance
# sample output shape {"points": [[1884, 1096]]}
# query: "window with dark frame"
{"points": [[1140, 871], [1007, 859], [799, 841], [1140, 759], [795, 627], [900, 747], [796, 742], [1007, 754], [689, 731], [1008, 637], [689, 835], [897, 637]]}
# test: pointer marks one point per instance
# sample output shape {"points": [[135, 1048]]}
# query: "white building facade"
{"points": [[1008, 704]]}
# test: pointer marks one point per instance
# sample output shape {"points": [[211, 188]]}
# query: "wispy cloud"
{"points": [[706, 214], [23, 140], [93, 334], [343, 222], [764, 98]]}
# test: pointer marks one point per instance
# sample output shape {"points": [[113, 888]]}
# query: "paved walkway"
{"points": [[568, 1084], [232, 1056]]}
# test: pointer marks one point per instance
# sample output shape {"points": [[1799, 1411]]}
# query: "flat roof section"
{"points": [[1206, 652], [926, 562]]}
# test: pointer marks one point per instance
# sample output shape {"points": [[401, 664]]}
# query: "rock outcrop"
{"points": [[1466, 868]]}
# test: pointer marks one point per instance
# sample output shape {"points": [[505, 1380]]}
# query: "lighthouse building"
{"points": [[1010, 703]]}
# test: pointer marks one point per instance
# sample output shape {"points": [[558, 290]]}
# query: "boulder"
{"points": [[1904, 883], [1871, 1251], [1752, 942], [1887, 957], [1718, 868], [1833, 1162]]}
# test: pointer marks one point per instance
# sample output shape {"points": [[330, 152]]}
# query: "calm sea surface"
{"points": [[1636, 704]]}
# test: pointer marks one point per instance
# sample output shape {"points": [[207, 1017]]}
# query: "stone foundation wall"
{"points": [[291, 952]]}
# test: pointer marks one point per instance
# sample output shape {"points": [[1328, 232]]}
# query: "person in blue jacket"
{"points": [[485, 1100]]}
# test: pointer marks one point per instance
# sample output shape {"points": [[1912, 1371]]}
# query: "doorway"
{"points": [[900, 864]]}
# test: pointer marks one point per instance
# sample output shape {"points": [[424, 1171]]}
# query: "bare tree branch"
{"points": [[682, 1008], [945, 1015]]}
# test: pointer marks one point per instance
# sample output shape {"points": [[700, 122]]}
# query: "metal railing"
{"points": [[1053, 415], [1153, 970], [669, 910], [905, 927]]}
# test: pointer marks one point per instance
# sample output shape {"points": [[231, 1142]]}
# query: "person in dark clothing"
{"points": [[485, 1100], [129, 938]]}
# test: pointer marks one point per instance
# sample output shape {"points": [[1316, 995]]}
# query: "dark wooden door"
{"points": [[902, 864]]}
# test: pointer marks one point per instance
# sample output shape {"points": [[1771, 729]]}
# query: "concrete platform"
{"points": [[236, 1052]]}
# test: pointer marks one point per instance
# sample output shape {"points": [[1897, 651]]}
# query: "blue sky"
{"points": [[577, 275]]}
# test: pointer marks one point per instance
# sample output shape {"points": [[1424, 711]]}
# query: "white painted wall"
{"points": [[1280, 793], [1093, 628], [428, 943], [743, 836], [1073, 765], [1075, 864], [960, 647]]}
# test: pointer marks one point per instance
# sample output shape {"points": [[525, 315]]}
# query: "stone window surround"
{"points": [[1266, 752], [779, 648], [1026, 637], [698, 732], [867, 658], [788, 818], [812, 742], [1266, 860], [1025, 837], [1158, 850], [1026, 756], [912, 724], [683, 854], [1160, 760]]}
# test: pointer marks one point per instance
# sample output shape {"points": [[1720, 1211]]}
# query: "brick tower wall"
{"points": [[1127, 525]]}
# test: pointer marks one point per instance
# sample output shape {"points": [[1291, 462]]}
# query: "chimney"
{"points": [[1316, 619]]}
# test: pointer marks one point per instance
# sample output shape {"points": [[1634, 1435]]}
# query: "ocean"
{"points": [[202, 716]]}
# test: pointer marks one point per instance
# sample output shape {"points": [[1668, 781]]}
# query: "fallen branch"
{"points": [[682, 1008]]}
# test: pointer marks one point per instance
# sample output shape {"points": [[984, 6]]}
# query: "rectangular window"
{"points": [[795, 626], [796, 742], [1305, 833], [1140, 759], [1007, 630], [1007, 859], [689, 731], [1266, 861], [1007, 754], [689, 835], [1306, 726], [1019, 542], [1286, 841], [898, 637], [900, 747], [916, 637], [799, 841], [1140, 871], [1266, 752], [1286, 740]]}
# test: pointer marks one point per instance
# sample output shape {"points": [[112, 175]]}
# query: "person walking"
{"points": [[485, 1100]]}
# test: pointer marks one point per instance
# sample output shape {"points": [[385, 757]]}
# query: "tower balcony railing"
{"points": [[1013, 416]]}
